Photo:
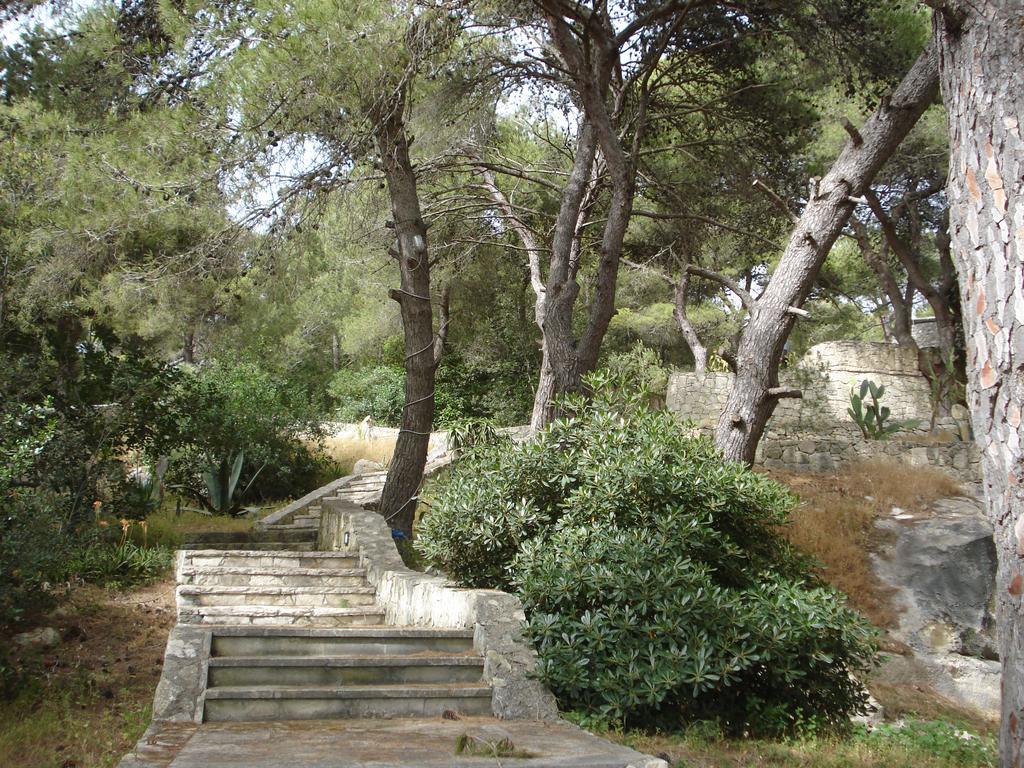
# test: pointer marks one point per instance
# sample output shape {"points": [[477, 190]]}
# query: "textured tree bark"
{"points": [[981, 45], [422, 350], [755, 389]]}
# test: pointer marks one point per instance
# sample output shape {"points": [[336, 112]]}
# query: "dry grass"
{"points": [[84, 703], [903, 697], [167, 526], [834, 522], [346, 451], [921, 747], [892, 484]]}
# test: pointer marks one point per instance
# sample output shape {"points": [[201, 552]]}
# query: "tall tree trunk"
{"points": [[398, 501], [981, 45], [755, 389], [680, 296], [188, 347], [902, 303], [335, 352]]}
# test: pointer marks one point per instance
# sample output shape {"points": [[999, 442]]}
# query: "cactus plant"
{"points": [[871, 417]]}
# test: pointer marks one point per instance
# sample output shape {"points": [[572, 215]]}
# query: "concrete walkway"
{"points": [[399, 743]]}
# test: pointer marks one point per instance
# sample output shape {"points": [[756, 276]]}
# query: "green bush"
{"points": [[223, 409], [375, 392], [121, 564], [655, 581], [641, 366], [499, 392], [33, 552]]}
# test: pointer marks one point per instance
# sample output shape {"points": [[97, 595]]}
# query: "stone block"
{"points": [[821, 461]]}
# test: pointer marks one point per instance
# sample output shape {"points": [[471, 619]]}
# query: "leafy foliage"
{"points": [[375, 392], [224, 409], [473, 434], [642, 366], [654, 578], [119, 565]]}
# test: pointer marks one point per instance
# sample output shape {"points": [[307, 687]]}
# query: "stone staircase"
{"points": [[363, 490], [267, 587], [296, 633], [284, 673]]}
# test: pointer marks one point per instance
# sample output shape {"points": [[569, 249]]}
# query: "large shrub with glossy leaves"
{"points": [[654, 578]]}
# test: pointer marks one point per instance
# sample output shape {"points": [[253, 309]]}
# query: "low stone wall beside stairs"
{"points": [[410, 598]]}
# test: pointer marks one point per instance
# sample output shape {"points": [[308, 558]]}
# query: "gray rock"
{"points": [[44, 637], [943, 569], [365, 466]]}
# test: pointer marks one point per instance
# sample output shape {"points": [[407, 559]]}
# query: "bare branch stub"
{"points": [[851, 129], [785, 392]]}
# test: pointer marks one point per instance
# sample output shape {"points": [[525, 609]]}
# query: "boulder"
{"points": [[365, 466], [43, 637], [943, 569]]}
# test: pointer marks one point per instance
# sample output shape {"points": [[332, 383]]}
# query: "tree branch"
{"points": [[732, 285], [779, 202], [442, 329], [785, 392]]}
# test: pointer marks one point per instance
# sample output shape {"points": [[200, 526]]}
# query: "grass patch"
{"points": [[167, 526], [834, 522], [915, 744], [474, 746], [898, 687]]}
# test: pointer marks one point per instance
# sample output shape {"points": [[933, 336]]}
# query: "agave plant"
{"points": [[143, 492], [221, 479]]}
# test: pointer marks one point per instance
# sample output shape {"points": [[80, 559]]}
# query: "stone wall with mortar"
{"points": [[807, 450], [411, 598], [825, 375], [816, 432]]}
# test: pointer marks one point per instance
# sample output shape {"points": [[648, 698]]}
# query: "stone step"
{"points": [[241, 671], [309, 531], [256, 558], [239, 576], [339, 597], [287, 615], [354, 641], [244, 703], [360, 499], [271, 546], [206, 538]]}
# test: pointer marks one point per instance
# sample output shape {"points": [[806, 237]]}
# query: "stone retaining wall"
{"points": [[816, 432], [805, 450], [410, 598], [825, 375]]}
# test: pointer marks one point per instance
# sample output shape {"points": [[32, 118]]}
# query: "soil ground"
{"points": [[84, 703]]}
